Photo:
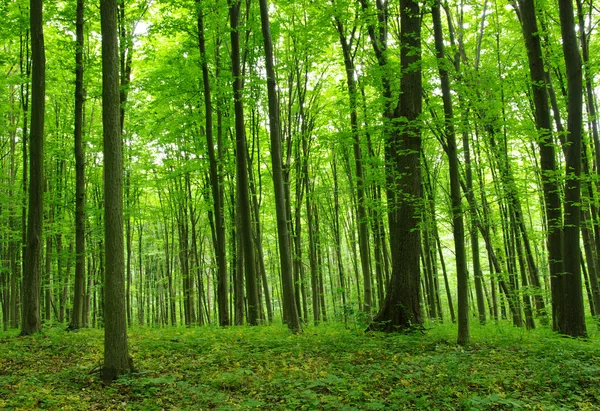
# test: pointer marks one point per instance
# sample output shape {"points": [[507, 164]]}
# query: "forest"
{"points": [[394, 196]]}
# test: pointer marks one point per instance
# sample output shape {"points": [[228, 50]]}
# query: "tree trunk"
{"points": [[363, 221], [33, 253], [242, 169], [24, 63], [474, 218], [571, 317], [220, 247], [457, 220], [47, 280], [116, 358], [337, 238], [285, 254], [401, 308], [78, 304]]}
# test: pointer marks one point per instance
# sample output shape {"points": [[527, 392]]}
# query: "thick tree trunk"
{"points": [[116, 358], [571, 317], [401, 308], [549, 174], [593, 120], [33, 253]]}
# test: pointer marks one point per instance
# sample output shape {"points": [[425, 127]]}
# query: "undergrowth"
{"points": [[327, 367]]}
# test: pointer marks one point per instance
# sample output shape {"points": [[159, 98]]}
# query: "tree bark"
{"points": [[33, 253], [553, 209], [116, 358], [220, 247], [457, 219], [77, 316], [242, 169], [571, 317], [363, 221], [401, 308]]}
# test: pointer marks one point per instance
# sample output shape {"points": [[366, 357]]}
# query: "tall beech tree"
{"points": [[401, 307], [116, 354], [215, 179], [241, 153], [455, 197], [33, 253], [569, 308], [78, 311], [549, 172], [363, 221], [25, 67], [290, 315]]}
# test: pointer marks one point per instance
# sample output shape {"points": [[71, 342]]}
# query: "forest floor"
{"points": [[326, 367]]}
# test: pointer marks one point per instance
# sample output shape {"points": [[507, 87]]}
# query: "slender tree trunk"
{"points": [[238, 272], [285, 253], [220, 247], [380, 250], [363, 221], [47, 280], [312, 255], [184, 253], [319, 257], [469, 192], [78, 304], [25, 70], [457, 220], [129, 244], [337, 238], [474, 218], [195, 269], [242, 169], [13, 243]]}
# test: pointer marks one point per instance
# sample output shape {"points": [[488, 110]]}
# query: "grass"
{"points": [[327, 367]]}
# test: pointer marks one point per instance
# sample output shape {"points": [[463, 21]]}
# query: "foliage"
{"points": [[328, 367]]}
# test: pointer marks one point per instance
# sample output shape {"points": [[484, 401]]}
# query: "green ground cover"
{"points": [[327, 367]]}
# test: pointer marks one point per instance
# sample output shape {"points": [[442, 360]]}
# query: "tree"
{"points": [[546, 144], [242, 168], [32, 262], [401, 307], [363, 222], [450, 147], [77, 316], [571, 317], [215, 179], [285, 254], [116, 357]]}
